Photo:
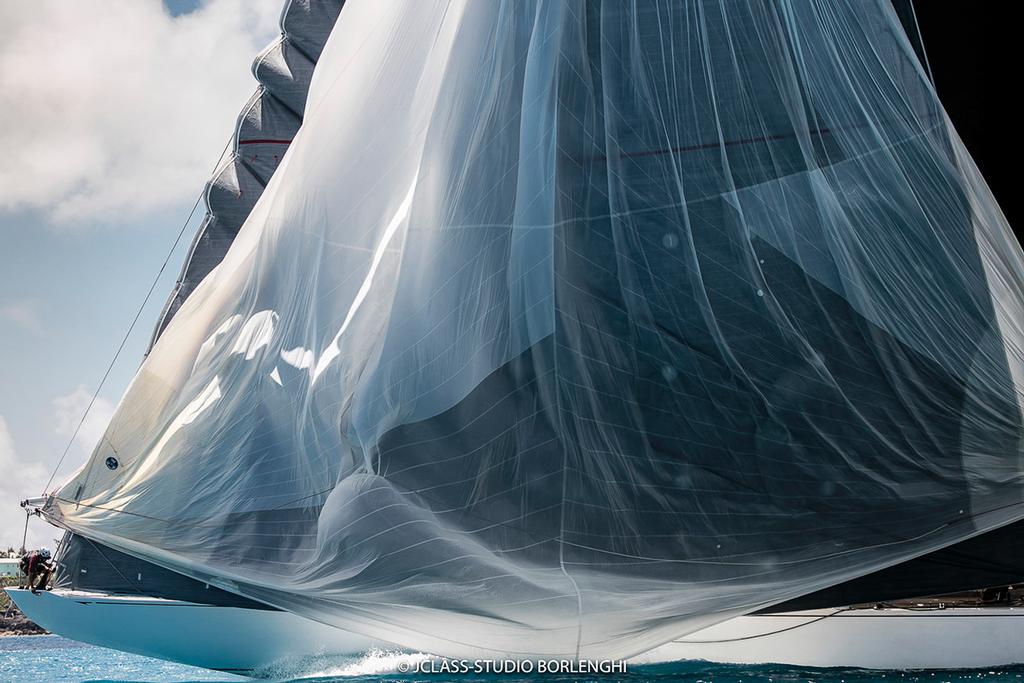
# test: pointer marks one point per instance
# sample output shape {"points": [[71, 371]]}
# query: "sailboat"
{"points": [[574, 330]]}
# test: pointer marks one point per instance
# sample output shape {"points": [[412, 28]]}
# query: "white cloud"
{"points": [[115, 108], [19, 481], [23, 314], [68, 411]]}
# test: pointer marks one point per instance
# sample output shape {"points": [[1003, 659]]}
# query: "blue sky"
{"points": [[177, 7], [114, 113]]}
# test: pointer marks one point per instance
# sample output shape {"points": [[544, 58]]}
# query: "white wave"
{"points": [[374, 662], [377, 662]]}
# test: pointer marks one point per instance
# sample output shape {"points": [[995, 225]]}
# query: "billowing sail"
{"points": [[568, 328]]}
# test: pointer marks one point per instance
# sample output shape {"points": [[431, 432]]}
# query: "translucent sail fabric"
{"points": [[567, 328]]}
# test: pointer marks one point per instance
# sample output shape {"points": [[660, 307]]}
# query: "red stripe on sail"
{"points": [[264, 141]]}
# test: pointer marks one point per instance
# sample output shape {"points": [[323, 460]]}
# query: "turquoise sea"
{"points": [[39, 659]]}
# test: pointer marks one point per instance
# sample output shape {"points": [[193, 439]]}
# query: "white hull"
{"points": [[223, 638], [951, 638], [240, 640]]}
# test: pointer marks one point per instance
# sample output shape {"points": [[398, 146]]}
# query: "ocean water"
{"points": [[39, 659]]}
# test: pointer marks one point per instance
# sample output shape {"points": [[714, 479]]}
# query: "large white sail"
{"points": [[568, 328]]}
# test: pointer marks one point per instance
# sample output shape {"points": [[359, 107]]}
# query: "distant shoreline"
{"points": [[12, 621]]}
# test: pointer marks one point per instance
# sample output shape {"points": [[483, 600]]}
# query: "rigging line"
{"points": [[764, 635], [24, 536], [133, 514], [131, 583], [920, 40], [135, 320]]}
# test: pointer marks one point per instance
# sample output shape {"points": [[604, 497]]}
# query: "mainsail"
{"points": [[569, 328], [265, 128]]}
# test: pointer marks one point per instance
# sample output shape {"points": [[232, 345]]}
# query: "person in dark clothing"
{"points": [[37, 568]]}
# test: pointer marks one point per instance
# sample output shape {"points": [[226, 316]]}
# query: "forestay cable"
{"points": [[131, 328]]}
